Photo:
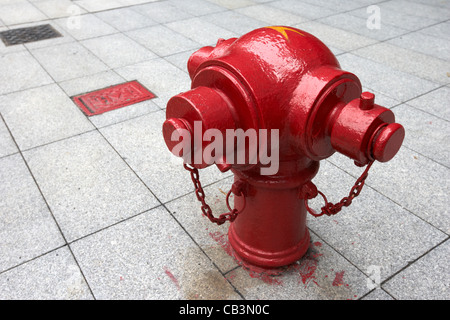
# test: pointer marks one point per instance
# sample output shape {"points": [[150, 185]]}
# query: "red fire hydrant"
{"points": [[284, 87]]}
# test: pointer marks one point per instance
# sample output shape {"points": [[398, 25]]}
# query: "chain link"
{"points": [[330, 208], [206, 209]]}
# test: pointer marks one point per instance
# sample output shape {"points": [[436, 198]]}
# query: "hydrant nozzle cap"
{"points": [[387, 142], [173, 131]]}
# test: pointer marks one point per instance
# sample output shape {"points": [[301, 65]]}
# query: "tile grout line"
{"points": [[34, 258], [343, 256], [169, 212], [386, 40], [425, 156], [48, 207], [409, 264], [387, 197]]}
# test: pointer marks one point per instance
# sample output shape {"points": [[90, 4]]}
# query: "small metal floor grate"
{"points": [[111, 98], [30, 34]]}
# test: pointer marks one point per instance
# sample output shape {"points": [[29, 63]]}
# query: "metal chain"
{"points": [[330, 208], [206, 209]]}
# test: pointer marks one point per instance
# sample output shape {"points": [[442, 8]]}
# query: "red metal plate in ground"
{"points": [[111, 98]]}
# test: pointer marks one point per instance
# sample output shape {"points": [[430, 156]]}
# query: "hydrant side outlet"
{"points": [[269, 106]]}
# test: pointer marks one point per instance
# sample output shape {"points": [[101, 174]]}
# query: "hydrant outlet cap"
{"points": [[388, 142], [171, 126]]}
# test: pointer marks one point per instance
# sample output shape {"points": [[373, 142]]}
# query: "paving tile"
{"points": [[20, 12], [125, 19], [321, 274], [235, 22], [118, 50], [149, 257], [91, 83], [200, 31], [197, 7], [384, 79], [416, 183], [162, 40], [271, 15], [58, 8], [122, 114], [140, 142], [98, 5], [21, 71], [210, 237], [358, 25], [413, 62], [27, 229], [135, 2], [426, 279], [378, 294], [435, 3], [425, 133], [440, 30], [416, 9], [400, 19], [162, 12], [434, 102], [233, 4], [336, 5], [7, 145], [334, 37], [424, 43], [85, 26], [303, 9], [53, 276], [68, 61], [180, 59], [373, 231], [86, 184], [160, 77], [41, 115]]}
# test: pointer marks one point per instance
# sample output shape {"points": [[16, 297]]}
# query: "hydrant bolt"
{"points": [[367, 100]]}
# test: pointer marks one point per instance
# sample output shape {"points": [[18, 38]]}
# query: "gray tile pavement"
{"points": [[68, 61], [25, 68], [97, 208], [33, 121], [28, 228], [86, 184]]}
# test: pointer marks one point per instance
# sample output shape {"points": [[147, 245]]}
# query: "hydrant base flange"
{"points": [[250, 256]]}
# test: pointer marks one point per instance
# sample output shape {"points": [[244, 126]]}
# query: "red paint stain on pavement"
{"points": [[266, 275], [172, 277], [307, 266], [222, 241], [338, 279]]}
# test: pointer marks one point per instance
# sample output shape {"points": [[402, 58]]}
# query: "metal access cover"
{"points": [[111, 98], [30, 34]]}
